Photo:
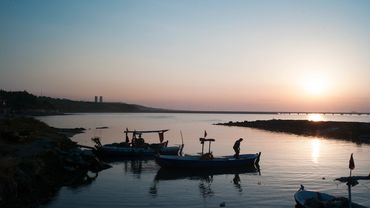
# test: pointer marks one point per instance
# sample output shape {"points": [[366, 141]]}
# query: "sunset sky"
{"points": [[199, 55]]}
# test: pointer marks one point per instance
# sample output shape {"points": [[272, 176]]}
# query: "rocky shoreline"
{"points": [[36, 160], [358, 132]]}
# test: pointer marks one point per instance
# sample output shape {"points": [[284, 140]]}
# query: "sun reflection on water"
{"points": [[315, 117], [315, 150]]}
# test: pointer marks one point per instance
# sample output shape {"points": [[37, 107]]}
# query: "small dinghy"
{"points": [[313, 199]]}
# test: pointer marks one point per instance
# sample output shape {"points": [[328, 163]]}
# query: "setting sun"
{"points": [[315, 117], [315, 85]]}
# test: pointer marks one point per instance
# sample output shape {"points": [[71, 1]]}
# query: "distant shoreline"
{"points": [[261, 112], [25, 104], [215, 112]]}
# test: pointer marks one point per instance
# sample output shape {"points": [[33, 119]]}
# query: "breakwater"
{"points": [[358, 132]]}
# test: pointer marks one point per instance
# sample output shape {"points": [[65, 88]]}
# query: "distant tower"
{"points": [[101, 99], [96, 99]]}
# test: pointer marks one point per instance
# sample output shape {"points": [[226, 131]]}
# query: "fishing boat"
{"points": [[310, 199], [196, 161], [137, 146], [207, 161]]}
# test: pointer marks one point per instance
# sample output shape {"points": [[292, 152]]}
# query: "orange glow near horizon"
{"points": [[186, 56]]}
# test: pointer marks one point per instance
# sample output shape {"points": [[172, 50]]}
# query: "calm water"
{"points": [[287, 161]]}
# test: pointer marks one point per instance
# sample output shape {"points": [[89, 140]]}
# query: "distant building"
{"points": [[96, 99], [4, 110], [101, 99]]}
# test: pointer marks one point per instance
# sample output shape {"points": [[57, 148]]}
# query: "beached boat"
{"points": [[137, 146], [310, 199], [207, 161]]}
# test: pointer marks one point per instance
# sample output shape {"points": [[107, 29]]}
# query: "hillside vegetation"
{"points": [[26, 103]]}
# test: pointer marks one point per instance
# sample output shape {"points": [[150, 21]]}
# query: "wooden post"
{"points": [[202, 147], [349, 189], [209, 147], [351, 167]]}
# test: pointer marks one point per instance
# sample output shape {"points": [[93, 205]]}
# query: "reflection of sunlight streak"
{"points": [[315, 117], [315, 150]]}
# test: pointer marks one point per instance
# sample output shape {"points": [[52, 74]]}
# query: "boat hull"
{"points": [[303, 198], [226, 162], [108, 150]]}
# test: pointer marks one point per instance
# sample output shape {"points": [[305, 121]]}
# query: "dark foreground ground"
{"points": [[352, 131], [36, 160]]}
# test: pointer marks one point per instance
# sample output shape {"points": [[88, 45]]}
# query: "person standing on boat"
{"points": [[236, 147]]}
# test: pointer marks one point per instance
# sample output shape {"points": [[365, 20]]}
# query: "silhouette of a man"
{"points": [[236, 148]]}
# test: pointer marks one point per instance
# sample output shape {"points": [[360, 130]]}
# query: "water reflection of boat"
{"points": [[134, 166], [207, 161], [137, 146], [308, 199], [125, 159], [205, 178]]}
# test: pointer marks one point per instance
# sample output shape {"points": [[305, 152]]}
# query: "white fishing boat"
{"points": [[137, 146]]}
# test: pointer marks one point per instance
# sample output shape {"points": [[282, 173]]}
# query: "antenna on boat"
{"points": [[182, 138], [182, 143]]}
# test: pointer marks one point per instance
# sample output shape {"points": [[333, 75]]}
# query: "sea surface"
{"points": [[287, 161]]}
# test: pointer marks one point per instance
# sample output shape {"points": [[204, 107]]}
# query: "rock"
{"points": [[102, 127]]}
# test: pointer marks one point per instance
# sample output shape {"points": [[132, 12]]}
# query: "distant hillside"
{"points": [[65, 105], [24, 102]]}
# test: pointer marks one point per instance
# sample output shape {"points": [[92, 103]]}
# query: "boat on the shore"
{"points": [[207, 161], [137, 147], [311, 199]]}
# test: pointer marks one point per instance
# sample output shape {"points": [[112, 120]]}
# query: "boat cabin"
{"points": [[137, 139], [208, 155]]}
